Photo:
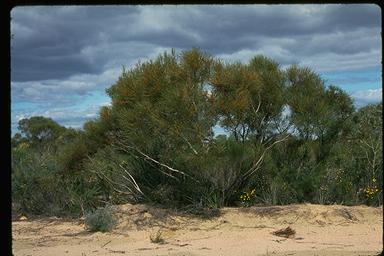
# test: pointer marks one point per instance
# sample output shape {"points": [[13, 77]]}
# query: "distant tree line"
{"points": [[290, 139]]}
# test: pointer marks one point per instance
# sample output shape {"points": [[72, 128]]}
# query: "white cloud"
{"points": [[107, 104], [242, 55], [367, 96], [64, 92], [20, 117], [69, 117], [332, 62], [154, 18]]}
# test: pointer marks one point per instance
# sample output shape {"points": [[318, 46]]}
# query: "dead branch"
{"points": [[133, 181], [124, 147], [257, 165], [105, 177], [190, 145]]}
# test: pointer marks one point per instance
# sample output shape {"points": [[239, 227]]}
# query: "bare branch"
{"points": [[190, 145], [147, 157], [257, 165], [136, 186], [153, 160], [255, 111], [105, 177]]}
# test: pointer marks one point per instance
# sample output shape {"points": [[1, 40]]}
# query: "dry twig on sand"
{"points": [[285, 232]]}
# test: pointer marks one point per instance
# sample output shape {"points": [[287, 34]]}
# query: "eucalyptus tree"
{"points": [[39, 129], [248, 97], [317, 111], [161, 103], [160, 119]]}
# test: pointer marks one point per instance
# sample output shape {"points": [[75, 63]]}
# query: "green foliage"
{"points": [[34, 188], [72, 155], [165, 98], [39, 129], [291, 137], [102, 219], [317, 112], [47, 177], [248, 97], [223, 168], [366, 146]]}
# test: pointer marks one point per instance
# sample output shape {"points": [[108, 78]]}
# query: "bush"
{"points": [[102, 219], [157, 238], [36, 188]]}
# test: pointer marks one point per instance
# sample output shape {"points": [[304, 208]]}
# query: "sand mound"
{"points": [[324, 230]]}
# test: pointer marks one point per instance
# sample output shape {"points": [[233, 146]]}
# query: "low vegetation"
{"points": [[157, 238], [289, 138], [102, 219]]}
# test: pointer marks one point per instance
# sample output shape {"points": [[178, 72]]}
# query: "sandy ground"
{"points": [[320, 230]]}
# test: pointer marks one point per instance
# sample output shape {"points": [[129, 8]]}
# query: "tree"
{"points": [[306, 100], [317, 111], [166, 99], [39, 129], [248, 97]]}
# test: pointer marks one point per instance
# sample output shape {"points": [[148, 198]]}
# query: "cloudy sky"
{"points": [[64, 57]]}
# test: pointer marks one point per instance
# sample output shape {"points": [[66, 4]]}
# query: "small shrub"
{"points": [[157, 238], [102, 219]]}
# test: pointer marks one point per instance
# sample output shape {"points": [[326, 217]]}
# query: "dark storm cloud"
{"points": [[49, 42], [50, 67], [240, 26], [349, 16]]}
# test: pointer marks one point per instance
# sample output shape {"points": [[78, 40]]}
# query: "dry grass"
{"points": [[157, 238], [346, 213]]}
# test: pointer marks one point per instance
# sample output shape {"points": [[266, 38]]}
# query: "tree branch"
{"points": [[190, 145], [135, 185], [105, 177], [257, 165], [147, 157]]}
